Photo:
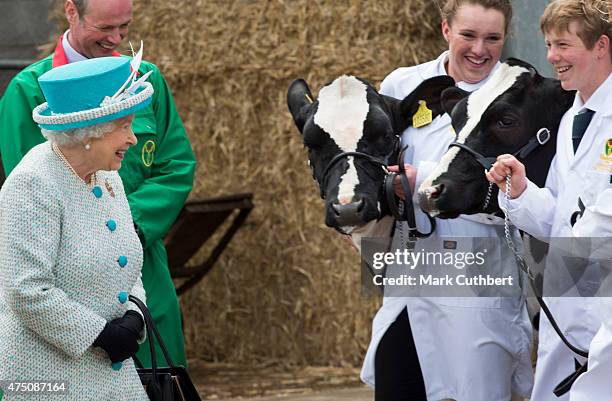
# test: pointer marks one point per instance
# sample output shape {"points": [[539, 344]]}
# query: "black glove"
{"points": [[120, 336]]}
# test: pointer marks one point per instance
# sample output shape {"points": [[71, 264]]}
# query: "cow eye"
{"points": [[505, 122]]}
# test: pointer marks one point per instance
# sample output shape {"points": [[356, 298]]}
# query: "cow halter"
{"points": [[343, 155], [401, 210], [540, 139]]}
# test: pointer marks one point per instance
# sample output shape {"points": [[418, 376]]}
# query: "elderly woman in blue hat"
{"points": [[69, 254]]}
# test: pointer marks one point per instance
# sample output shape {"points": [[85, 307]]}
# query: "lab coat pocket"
{"points": [[473, 266]]}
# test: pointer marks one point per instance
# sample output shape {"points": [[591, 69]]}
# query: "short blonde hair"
{"points": [[593, 17]]}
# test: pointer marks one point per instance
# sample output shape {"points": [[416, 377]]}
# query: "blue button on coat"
{"points": [[123, 297], [55, 221], [111, 224], [122, 261]]}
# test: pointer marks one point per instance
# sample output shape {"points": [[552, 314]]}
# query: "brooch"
{"points": [[109, 188]]}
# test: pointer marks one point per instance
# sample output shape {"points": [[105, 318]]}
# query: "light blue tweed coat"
{"points": [[60, 279]]}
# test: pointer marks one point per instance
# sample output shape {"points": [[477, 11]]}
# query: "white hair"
{"points": [[78, 135]]}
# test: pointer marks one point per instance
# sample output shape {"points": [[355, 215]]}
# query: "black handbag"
{"points": [[170, 383]]}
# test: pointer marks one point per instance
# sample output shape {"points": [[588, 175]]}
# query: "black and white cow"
{"points": [[501, 117], [347, 118]]}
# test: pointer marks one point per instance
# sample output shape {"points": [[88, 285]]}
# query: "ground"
{"points": [[227, 382], [361, 393]]}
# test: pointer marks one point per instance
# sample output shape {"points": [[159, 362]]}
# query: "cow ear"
{"points": [[515, 61], [451, 96], [299, 100], [429, 91]]}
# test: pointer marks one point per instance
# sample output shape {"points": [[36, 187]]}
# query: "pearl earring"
{"points": [[87, 146]]}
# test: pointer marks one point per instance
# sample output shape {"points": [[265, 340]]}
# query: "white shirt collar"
{"points": [[463, 85], [597, 101], [71, 54]]}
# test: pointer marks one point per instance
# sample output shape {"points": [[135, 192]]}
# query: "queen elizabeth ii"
{"points": [[69, 254]]}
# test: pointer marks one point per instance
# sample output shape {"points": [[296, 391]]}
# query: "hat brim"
{"points": [[48, 120]]}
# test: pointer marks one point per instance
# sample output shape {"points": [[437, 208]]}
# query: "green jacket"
{"points": [[157, 174]]}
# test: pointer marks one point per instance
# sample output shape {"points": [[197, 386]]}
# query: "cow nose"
{"points": [[435, 191], [348, 207], [429, 195], [344, 200], [350, 214]]}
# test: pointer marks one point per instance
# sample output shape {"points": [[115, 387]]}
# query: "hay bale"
{"points": [[287, 288]]}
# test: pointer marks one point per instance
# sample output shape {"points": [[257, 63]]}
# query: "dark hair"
{"points": [[504, 6]]}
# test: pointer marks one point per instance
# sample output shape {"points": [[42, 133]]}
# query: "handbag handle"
{"points": [[152, 329], [153, 389]]}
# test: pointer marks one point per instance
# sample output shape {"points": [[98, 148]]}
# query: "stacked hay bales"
{"points": [[287, 288]]}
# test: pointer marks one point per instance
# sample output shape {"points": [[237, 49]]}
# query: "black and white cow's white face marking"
{"points": [[350, 116], [347, 97], [499, 118]]}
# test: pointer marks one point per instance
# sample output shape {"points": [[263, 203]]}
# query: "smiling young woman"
{"points": [[475, 37], [475, 349]]}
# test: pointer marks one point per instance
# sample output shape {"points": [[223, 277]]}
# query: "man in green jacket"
{"points": [[157, 173]]}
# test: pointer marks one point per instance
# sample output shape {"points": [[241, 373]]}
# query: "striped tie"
{"points": [[581, 122]]}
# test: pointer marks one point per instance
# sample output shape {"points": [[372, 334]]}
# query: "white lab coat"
{"points": [[546, 213], [470, 349], [595, 384]]}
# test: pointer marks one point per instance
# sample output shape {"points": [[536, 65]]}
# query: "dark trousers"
{"points": [[398, 374]]}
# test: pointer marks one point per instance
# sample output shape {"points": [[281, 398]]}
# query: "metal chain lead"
{"points": [[519, 259], [524, 267]]}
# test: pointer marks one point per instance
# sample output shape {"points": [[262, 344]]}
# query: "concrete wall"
{"points": [[526, 41], [24, 25]]}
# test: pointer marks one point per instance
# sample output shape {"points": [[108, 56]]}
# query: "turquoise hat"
{"points": [[91, 92]]}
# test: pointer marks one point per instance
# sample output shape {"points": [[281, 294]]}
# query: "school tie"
{"points": [[581, 122]]}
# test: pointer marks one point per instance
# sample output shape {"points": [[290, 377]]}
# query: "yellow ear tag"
{"points": [[423, 115]]}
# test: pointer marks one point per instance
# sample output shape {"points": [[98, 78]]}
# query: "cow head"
{"points": [[501, 117], [351, 116]]}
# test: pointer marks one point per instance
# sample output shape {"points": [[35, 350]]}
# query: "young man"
{"points": [[578, 37], [157, 173]]}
